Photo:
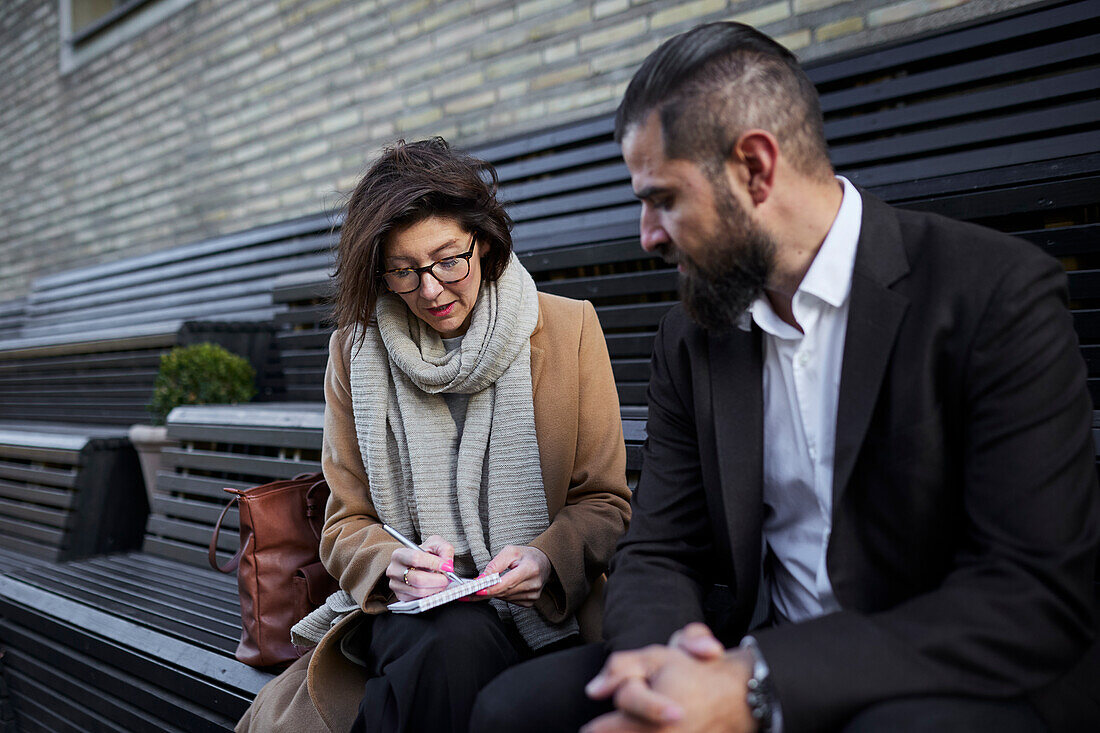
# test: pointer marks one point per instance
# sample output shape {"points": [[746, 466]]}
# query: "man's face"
{"points": [[692, 218]]}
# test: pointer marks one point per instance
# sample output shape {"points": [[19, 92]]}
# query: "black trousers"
{"points": [[428, 668], [546, 695]]}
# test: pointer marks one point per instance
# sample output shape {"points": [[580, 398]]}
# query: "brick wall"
{"points": [[235, 113]]}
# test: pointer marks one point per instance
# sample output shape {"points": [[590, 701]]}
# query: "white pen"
{"points": [[413, 546]]}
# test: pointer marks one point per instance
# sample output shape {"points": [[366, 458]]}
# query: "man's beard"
{"points": [[739, 261]]}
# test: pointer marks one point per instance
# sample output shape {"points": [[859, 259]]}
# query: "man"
{"points": [[874, 422]]}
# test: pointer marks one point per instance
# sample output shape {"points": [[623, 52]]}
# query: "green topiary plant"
{"points": [[200, 374]]}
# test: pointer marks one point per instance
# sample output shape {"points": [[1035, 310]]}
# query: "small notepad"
{"points": [[451, 593]]}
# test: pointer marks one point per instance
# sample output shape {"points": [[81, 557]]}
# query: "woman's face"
{"points": [[446, 307]]}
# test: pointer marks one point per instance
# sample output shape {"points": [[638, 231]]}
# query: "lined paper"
{"points": [[451, 593]]}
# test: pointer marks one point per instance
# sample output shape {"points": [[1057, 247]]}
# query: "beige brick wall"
{"points": [[235, 113]]}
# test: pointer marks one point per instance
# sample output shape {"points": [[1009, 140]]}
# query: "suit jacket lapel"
{"points": [[736, 364], [874, 316]]}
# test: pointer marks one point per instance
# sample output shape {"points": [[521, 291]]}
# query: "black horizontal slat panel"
{"points": [[241, 464], [35, 453], [189, 533], [79, 380], [1087, 324], [1065, 240], [179, 551], [68, 714], [958, 106], [320, 289], [1009, 199], [114, 684], [970, 160], [274, 437], [1084, 284], [56, 498], [33, 513], [38, 475], [213, 488], [847, 68], [237, 308], [983, 69], [202, 592], [983, 131], [1091, 355], [640, 315], [31, 548], [304, 339], [602, 286], [145, 359], [542, 261], [631, 370], [597, 198], [50, 536], [222, 701], [614, 172], [303, 314], [632, 393], [317, 359], [215, 268], [563, 135], [583, 228], [305, 393], [198, 512], [630, 344], [159, 607]]}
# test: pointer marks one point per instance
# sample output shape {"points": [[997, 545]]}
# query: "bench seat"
{"points": [[144, 640]]}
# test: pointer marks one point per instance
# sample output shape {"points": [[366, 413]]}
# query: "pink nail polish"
{"points": [[449, 566]]}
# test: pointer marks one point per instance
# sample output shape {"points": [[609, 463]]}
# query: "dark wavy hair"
{"points": [[408, 183]]}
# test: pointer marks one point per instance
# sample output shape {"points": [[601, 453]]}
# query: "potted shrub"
{"points": [[199, 374]]}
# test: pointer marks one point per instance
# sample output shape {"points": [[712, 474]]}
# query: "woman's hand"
{"points": [[528, 569], [418, 573]]}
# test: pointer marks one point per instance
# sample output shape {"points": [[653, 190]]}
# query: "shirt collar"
{"points": [[830, 275]]}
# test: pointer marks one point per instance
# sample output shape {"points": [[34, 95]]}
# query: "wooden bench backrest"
{"points": [[226, 278]]}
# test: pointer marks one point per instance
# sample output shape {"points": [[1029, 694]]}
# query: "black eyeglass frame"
{"points": [[431, 268]]}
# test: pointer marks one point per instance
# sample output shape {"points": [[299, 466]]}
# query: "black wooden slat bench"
{"points": [[144, 641], [83, 366], [68, 492], [993, 123]]}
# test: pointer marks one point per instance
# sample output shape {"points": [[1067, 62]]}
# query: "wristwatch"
{"points": [[760, 695]]}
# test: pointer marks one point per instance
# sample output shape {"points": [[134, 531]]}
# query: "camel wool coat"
{"points": [[583, 460]]}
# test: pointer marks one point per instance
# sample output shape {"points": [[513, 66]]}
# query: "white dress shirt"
{"points": [[801, 383]]}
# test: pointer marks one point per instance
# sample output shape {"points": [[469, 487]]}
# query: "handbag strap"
{"points": [[311, 506], [211, 553]]}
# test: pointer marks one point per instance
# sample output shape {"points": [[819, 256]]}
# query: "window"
{"points": [[92, 27]]}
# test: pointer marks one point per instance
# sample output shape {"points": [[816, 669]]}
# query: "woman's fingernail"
{"points": [[448, 566], [594, 685], [481, 592]]}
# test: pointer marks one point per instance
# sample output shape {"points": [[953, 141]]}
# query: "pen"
{"points": [[412, 546]]}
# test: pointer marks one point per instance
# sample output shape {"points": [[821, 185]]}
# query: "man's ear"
{"points": [[756, 154]]}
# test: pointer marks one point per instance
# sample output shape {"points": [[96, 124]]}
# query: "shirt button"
{"points": [[804, 358]]}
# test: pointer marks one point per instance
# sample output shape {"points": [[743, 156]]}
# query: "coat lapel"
{"points": [[736, 363], [874, 316]]}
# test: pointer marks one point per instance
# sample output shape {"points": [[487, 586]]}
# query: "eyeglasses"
{"points": [[447, 271]]}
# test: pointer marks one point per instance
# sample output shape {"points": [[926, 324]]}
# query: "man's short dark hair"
{"points": [[715, 81]]}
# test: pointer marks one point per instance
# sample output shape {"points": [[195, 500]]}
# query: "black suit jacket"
{"points": [[965, 505]]}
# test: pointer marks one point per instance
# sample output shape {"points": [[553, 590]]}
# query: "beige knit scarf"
{"points": [[480, 487]]}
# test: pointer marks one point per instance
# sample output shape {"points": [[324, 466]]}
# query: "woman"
{"points": [[476, 416]]}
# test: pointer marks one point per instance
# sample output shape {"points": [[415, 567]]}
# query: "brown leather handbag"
{"points": [[280, 577]]}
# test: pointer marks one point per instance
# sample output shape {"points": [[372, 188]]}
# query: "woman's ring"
{"points": [[405, 577]]}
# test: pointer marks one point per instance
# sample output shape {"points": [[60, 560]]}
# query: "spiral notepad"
{"points": [[451, 593]]}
